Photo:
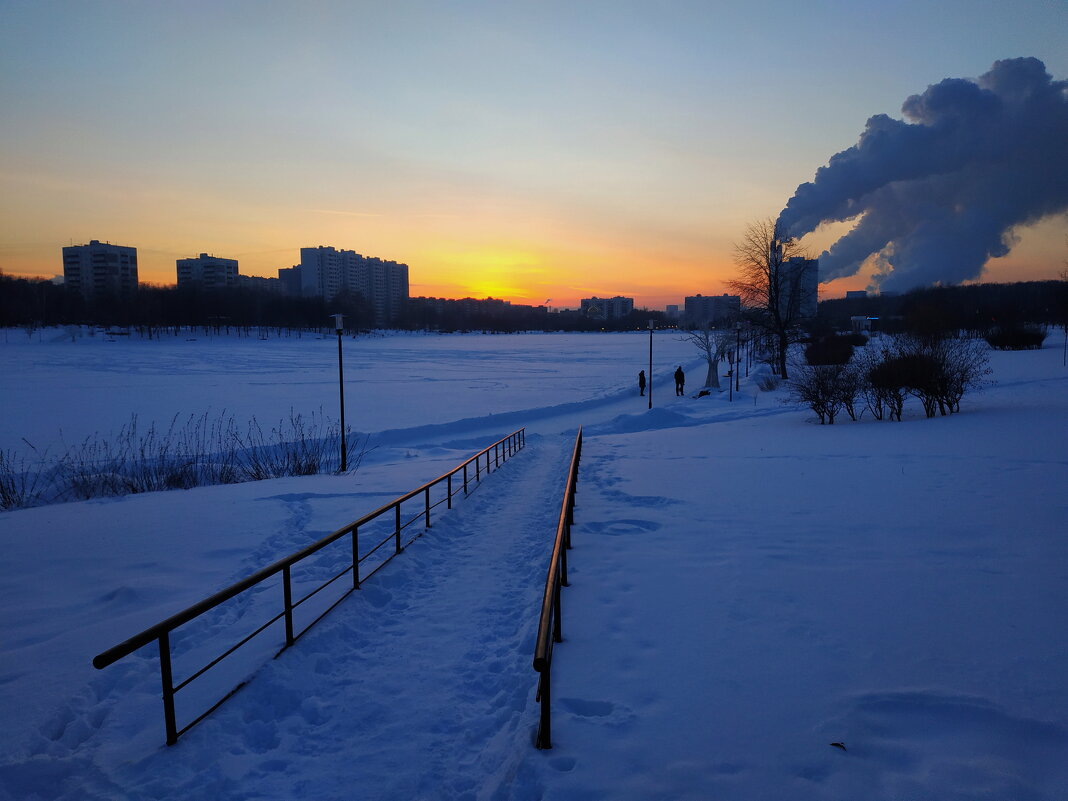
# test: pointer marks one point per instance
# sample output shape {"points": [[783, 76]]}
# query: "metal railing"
{"points": [[549, 631], [461, 479]]}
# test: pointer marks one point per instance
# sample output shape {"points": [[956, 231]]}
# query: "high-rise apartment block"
{"points": [[289, 277], [801, 286], [324, 272], [100, 269], [702, 310], [607, 308], [207, 272]]}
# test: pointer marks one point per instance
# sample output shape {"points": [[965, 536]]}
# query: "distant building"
{"points": [[324, 272], [802, 286], [289, 277], [446, 313], [799, 287], [259, 282], [607, 308], [854, 294], [384, 285], [207, 272], [701, 310], [100, 269], [672, 311], [862, 322]]}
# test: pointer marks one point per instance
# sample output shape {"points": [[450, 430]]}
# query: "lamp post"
{"points": [[730, 376], [652, 325], [737, 356], [748, 350], [341, 387]]}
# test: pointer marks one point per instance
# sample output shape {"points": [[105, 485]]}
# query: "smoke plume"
{"points": [[942, 193]]}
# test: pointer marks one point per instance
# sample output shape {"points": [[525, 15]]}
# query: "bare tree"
{"points": [[713, 346], [770, 288]]}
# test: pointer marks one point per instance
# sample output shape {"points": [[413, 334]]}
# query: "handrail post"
{"points": [[427, 505], [287, 594], [545, 728], [478, 468], [356, 558], [168, 687], [448, 487], [465, 479], [563, 558], [571, 501], [396, 534], [497, 454], [558, 635]]}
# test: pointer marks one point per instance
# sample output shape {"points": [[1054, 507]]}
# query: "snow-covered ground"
{"points": [[747, 586], [57, 391]]}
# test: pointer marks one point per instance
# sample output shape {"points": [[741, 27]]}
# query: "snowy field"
{"points": [[747, 586], [58, 391]]}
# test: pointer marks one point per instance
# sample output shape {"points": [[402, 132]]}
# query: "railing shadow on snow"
{"points": [[390, 518], [549, 628]]}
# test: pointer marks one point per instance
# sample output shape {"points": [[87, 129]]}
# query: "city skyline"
{"points": [[528, 152]]}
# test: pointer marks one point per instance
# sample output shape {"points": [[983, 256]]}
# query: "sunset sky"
{"points": [[524, 150]]}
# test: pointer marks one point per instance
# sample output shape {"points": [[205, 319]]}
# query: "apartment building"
{"points": [[100, 269]]}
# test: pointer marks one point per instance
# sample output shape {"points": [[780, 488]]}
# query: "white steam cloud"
{"points": [[941, 193]]}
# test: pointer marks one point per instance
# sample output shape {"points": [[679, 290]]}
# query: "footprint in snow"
{"points": [[618, 528], [603, 713]]}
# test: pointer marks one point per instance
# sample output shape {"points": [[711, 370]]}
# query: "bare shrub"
{"points": [[850, 388], [936, 371], [294, 448], [20, 480], [1016, 338], [824, 388], [829, 350], [196, 452], [768, 382], [963, 366]]}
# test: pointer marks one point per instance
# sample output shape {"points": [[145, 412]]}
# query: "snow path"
{"points": [[473, 581]]}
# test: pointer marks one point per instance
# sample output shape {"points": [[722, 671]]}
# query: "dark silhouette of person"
{"points": [[641, 382], [680, 381]]}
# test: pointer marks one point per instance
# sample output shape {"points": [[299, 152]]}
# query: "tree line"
{"points": [[35, 303], [936, 311]]}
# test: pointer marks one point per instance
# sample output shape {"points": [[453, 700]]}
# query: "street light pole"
{"points": [[341, 387], [730, 375], [737, 356], [748, 350], [652, 324]]}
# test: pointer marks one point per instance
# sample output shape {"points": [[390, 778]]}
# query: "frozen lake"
{"points": [[58, 391]]}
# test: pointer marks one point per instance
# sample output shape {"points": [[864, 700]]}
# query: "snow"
{"points": [[747, 586]]}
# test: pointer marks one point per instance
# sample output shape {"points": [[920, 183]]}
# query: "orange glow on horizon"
{"points": [[448, 259]]}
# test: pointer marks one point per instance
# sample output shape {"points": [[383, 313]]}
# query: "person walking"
{"points": [[680, 381], [641, 382]]}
